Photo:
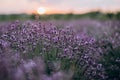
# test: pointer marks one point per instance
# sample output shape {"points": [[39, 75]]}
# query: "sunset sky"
{"points": [[58, 6]]}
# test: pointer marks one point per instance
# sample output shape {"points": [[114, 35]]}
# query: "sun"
{"points": [[41, 10]]}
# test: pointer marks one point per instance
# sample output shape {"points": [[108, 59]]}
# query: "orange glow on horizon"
{"points": [[47, 10]]}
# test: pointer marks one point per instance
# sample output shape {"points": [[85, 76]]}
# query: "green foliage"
{"points": [[93, 15], [118, 15], [111, 63]]}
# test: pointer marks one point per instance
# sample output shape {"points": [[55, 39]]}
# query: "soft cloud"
{"points": [[15, 6]]}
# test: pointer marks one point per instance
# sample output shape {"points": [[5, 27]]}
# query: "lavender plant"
{"points": [[34, 50]]}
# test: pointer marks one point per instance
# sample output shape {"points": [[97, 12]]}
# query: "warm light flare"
{"points": [[41, 10]]}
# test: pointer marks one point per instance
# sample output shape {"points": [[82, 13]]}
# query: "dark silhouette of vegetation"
{"points": [[93, 15]]}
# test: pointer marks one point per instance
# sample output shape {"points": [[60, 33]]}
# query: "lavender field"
{"points": [[82, 49]]}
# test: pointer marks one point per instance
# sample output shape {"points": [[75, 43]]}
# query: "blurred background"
{"points": [[59, 9], [60, 39]]}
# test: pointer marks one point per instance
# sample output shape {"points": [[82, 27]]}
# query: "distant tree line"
{"points": [[93, 15]]}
